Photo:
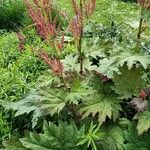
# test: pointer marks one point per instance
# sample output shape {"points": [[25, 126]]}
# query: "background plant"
{"points": [[13, 14]]}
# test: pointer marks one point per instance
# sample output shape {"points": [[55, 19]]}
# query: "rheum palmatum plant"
{"points": [[47, 27], [83, 10], [82, 105]]}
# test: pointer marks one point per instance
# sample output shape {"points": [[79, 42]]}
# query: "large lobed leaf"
{"points": [[128, 83], [102, 106], [61, 137], [49, 99], [110, 65]]}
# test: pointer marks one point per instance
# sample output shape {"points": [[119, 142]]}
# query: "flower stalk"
{"points": [[140, 29], [82, 11], [145, 5], [80, 39], [41, 14]]}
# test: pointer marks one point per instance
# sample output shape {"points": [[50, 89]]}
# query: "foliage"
{"points": [[103, 104], [91, 137], [13, 144], [128, 83], [143, 122], [42, 101], [12, 14], [83, 84], [4, 127], [17, 68], [109, 65], [134, 141], [63, 137]]}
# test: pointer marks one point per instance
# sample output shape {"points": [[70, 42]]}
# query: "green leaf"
{"points": [[146, 15], [128, 83], [25, 106], [64, 137], [53, 102], [103, 106], [71, 63], [39, 103], [110, 65], [133, 140], [116, 135], [12, 144], [80, 91], [93, 135], [143, 122], [137, 60]]}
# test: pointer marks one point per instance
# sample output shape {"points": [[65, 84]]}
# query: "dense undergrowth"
{"points": [[75, 75], [13, 14]]}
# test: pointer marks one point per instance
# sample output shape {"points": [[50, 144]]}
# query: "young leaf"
{"points": [[91, 137]]}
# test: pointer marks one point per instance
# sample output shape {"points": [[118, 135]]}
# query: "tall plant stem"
{"points": [[139, 30], [80, 54], [79, 47], [62, 79]]}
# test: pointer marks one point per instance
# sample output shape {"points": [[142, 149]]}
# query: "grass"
{"points": [[108, 9], [12, 14], [123, 13]]}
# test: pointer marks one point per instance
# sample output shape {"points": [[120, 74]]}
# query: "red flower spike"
{"points": [[81, 12], [40, 13], [54, 64], [76, 7], [75, 27], [144, 3], [89, 6]]}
